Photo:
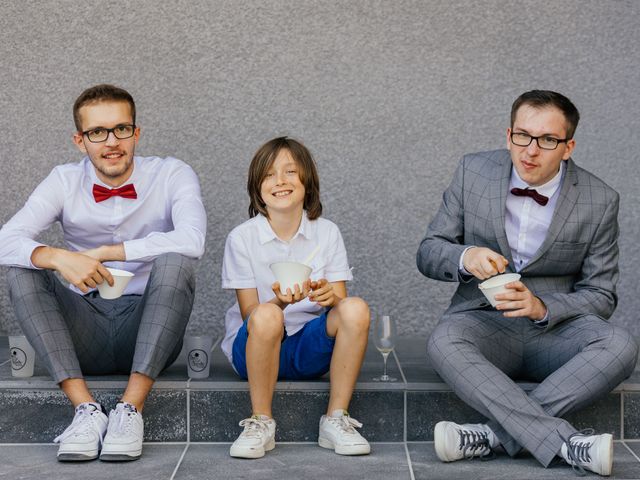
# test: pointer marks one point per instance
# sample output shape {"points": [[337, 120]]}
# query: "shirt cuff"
{"points": [[544, 322], [461, 269]]}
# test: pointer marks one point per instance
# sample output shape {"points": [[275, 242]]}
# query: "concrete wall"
{"points": [[387, 95]]}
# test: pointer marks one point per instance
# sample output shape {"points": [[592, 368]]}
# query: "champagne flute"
{"points": [[384, 338]]}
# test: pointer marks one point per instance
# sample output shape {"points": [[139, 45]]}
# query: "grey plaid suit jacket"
{"points": [[575, 269]]}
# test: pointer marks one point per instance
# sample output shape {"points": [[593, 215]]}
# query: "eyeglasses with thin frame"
{"points": [[121, 132], [545, 142]]}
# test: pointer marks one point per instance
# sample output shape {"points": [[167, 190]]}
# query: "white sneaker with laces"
{"points": [[455, 442], [257, 437], [124, 434], [338, 432], [82, 439], [586, 450]]}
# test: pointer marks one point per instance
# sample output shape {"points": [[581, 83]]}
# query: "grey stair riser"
{"points": [[215, 415], [34, 416], [425, 409]]}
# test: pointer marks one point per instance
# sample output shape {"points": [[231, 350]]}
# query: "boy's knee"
{"points": [[354, 313], [266, 322]]}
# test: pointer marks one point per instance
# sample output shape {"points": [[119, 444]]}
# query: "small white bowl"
{"points": [[496, 284]]}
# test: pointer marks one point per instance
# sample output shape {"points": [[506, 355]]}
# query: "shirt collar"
{"points": [[548, 189], [266, 233]]}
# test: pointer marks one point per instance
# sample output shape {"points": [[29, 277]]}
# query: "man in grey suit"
{"points": [[529, 209]]}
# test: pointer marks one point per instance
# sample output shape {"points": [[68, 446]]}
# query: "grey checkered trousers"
{"points": [[84, 334]]}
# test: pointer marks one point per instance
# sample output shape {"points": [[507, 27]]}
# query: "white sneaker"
{"points": [[257, 437], [337, 432], [455, 442], [593, 452], [82, 439], [124, 434]]}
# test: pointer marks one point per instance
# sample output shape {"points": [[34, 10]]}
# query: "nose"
{"points": [[280, 178], [111, 139], [533, 148]]}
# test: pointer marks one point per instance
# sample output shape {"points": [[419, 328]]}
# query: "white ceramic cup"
{"points": [[22, 356], [496, 284], [120, 280], [198, 351], [289, 274]]}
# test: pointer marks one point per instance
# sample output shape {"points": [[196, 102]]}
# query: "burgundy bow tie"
{"points": [[101, 193], [530, 192]]}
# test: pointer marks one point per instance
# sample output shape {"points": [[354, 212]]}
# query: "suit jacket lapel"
{"points": [[499, 187], [564, 207]]}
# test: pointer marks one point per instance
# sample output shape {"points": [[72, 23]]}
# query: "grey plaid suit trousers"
{"points": [[478, 353], [75, 334]]}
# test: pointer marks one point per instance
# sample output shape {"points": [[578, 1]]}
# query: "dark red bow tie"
{"points": [[530, 192], [101, 193]]}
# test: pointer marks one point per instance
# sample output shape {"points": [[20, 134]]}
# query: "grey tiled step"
{"points": [[178, 410]]}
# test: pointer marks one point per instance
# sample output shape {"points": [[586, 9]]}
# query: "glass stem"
{"points": [[385, 356]]}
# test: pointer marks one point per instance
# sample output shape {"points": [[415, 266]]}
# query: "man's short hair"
{"points": [[547, 98], [101, 93], [262, 162]]}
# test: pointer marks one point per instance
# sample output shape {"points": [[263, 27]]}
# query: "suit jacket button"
{"points": [[448, 275]]}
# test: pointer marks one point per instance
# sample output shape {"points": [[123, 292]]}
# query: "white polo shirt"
{"points": [[252, 246]]}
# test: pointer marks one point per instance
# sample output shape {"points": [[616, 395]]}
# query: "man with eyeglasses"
{"points": [[140, 214], [528, 209]]}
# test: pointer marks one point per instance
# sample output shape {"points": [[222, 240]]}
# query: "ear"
{"points": [[136, 135], [571, 145], [78, 140], [509, 138]]}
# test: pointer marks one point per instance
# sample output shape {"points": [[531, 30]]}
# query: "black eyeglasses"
{"points": [[545, 142], [121, 132]]}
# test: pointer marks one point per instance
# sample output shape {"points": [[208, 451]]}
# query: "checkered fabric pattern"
{"points": [[75, 334], [578, 357]]}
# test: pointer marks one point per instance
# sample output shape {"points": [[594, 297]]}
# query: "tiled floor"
{"points": [[388, 461]]}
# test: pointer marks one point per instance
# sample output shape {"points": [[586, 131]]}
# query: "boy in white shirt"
{"points": [[141, 214], [303, 333]]}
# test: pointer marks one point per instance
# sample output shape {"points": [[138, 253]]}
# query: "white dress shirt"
{"points": [[253, 245], [168, 216], [526, 222]]}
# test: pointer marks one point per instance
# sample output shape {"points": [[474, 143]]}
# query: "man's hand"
{"points": [[323, 294], [78, 269], [483, 262], [520, 302], [300, 292]]}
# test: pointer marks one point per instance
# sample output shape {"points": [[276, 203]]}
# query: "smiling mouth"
{"points": [[282, 193], [112, 155]]}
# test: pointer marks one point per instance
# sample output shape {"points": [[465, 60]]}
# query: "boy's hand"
{"points": [[322, 293], [483, 262], [299, 293]]}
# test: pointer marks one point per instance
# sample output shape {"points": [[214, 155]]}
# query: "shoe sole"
{"points": [[345, 450], [244, 452], [121, 456], [76, 457]]}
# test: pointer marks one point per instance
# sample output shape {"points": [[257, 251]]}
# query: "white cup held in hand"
{"points": [[198, 355], [491, 287], [22, 356], [288, 274], [120, 280]]}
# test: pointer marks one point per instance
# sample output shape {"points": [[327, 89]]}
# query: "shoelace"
{"points": [[475, 444], [124, 419], [345, 423], [578, 452], [81, 425], [253, 427]]}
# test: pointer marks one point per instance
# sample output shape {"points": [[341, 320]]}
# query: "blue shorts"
{"points": [[304, 355]]}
